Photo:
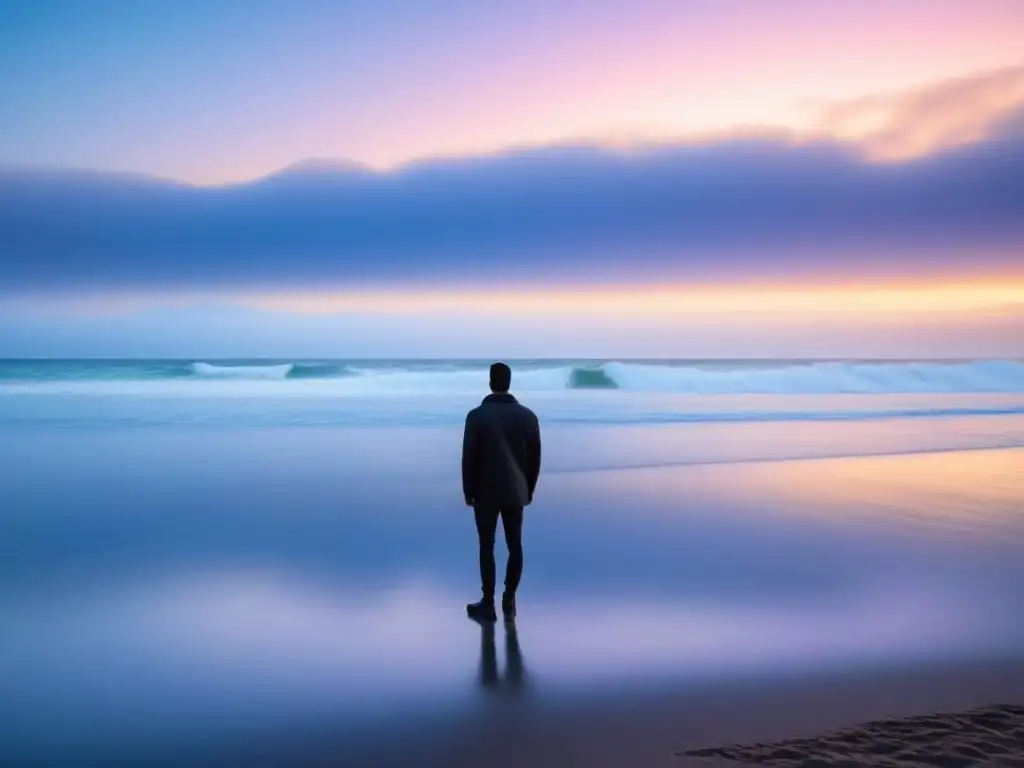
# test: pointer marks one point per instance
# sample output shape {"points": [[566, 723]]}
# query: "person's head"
{"points": [[501, 378]]}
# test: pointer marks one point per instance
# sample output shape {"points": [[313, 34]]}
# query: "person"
{"points": [[500, 466]]}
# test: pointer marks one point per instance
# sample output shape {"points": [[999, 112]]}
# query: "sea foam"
{"points": [[242, 371]]}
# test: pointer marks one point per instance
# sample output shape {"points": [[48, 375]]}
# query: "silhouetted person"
{"points": [[500, 467]]}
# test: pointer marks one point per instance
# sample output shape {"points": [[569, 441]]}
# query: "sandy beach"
{"points": [[992, 735], [909, 716]]}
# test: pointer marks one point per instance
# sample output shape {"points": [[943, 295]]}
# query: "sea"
{"points": [[200, 557], [264, 393]]}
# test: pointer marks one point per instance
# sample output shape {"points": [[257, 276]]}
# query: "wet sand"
{"points": [[206, 598], [938, 715]]}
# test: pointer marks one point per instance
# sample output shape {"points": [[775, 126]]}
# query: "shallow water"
{"points": [[214, 583]]}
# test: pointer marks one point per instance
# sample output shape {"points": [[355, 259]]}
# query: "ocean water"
{"points": [[396, 393], [440, 376], [199, 554]]}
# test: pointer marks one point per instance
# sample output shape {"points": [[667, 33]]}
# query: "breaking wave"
{"points": [[242, 371], [279, 371]]}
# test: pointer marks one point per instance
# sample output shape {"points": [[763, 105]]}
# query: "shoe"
{"points": [[482, 611], [508, 605]]}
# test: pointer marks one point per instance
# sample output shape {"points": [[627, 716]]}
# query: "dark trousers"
{"points": [[486, 527]]}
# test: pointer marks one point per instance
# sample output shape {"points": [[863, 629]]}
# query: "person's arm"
{"points": [[468, 461], [534, 451]]}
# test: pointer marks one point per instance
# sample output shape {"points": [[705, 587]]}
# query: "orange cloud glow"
{"points": [[915, 122]]}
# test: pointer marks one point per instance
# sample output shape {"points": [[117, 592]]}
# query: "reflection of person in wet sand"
{"points": [[515, 673]]}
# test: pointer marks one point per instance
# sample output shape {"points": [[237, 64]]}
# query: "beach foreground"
{"points": [[926, 715], [285, 596]]}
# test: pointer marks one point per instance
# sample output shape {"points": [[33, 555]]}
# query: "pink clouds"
{"points": [[938, 116], [215, 93]]}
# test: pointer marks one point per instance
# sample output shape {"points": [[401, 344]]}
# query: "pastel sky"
{"points": [[536, 168]]}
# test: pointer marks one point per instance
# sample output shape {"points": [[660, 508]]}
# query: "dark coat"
{"points": [[500, 453]]}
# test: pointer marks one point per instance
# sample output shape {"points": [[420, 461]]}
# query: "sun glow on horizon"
{"points": [[655, 300]]}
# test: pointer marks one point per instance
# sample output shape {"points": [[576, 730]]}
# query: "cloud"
{"points": [[950, 113], [769, 208]]}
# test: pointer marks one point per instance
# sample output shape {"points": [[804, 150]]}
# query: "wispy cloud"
{"points": [[938, 116]]}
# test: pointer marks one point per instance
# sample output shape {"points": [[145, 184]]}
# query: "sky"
{"points": [[446, 178]]}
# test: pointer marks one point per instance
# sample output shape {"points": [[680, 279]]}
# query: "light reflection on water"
{"points": [[970, 491], [975, 491], [165, 584], [260, 649]]}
